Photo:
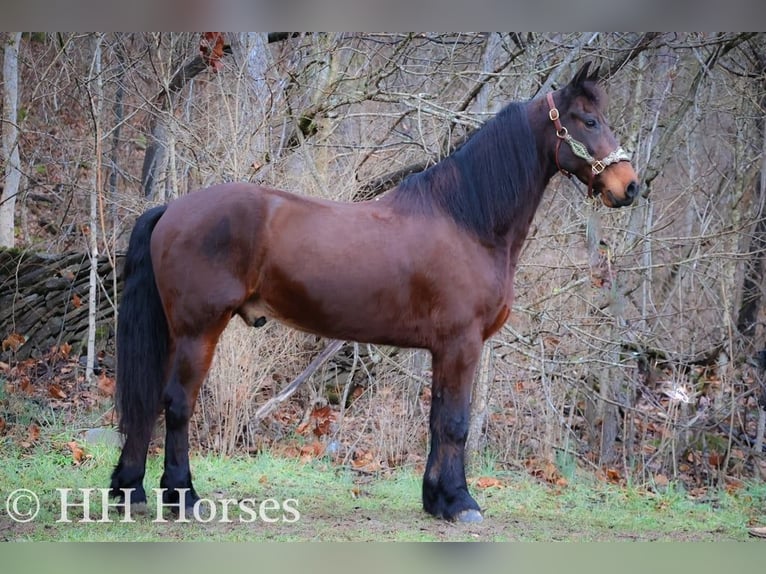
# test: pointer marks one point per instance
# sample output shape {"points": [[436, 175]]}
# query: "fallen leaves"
{"points": [[304, 452], [56, 392], [319, 422], [660, 480], [546, 470], [366, 461], [611, 475], [33, 433], [106, 385], [309, 452], [78, 454], [56, 379], [13, 341], [485, 482]]}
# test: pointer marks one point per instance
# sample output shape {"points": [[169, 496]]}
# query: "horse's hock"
{"points": [[44, 301]]}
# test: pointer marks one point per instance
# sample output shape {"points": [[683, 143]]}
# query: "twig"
{"points": [[333, 347]]}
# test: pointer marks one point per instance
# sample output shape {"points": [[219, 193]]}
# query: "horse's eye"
{"points": [[590, 123]]}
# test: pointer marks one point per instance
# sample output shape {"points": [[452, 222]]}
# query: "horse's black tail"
{"points": [[142, 333]]}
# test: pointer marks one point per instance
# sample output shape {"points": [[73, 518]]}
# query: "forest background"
{"points": [[636, 344]]}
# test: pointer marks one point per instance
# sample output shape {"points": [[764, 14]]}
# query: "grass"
{"points": [[336, 503]]}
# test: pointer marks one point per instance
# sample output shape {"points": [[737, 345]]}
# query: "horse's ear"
{"points": [[595, 75], [582, 76], [585, 75]]}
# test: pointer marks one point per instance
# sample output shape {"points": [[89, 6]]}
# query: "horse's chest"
{"points": [[497, 323]]}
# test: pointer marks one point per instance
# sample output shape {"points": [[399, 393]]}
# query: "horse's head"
{"points": [[585, 145]]}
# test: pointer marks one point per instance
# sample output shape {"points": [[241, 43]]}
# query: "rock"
{"points": [[104, 436]]}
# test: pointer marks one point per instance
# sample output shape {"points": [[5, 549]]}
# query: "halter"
{"points": [[580, 149]]}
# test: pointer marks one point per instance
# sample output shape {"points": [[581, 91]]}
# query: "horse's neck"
{"points": [[509, 247], [517, 233]]}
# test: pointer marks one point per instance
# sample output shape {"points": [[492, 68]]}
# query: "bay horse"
{"points": [[429, 265]]}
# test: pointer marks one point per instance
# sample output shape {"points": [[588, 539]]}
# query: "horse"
{"points": [[440, 254]]}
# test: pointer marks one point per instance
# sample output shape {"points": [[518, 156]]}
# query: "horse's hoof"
{"points": [[469, 516]]}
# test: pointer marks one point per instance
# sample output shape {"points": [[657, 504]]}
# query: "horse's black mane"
{"points": [[485, 182]]}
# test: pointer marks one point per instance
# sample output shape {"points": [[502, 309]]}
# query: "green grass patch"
{"points": [[336, 503]]}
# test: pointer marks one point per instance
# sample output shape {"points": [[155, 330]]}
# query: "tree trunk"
{"points": [[752, 287], [96, 96], [480, 402], [608, 308], [266, 94], [10, 140]]}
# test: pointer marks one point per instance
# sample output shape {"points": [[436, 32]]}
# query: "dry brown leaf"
{"points": [[661, 480], [212, 49], [543, 469], [78, 454], [288, 450], [488, 482], [322, 427], [76, 301], [26, 386], [366, 461], [733, 485], [698, 492], [550, 473], [106, 385], [314, 449], [13, 342], [56, 392], [33, 433]]}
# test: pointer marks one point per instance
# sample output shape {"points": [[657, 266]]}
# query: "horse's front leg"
{"points": [[445, 491]]}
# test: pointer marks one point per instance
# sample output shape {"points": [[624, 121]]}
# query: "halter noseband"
{"points": [[580, 149]]}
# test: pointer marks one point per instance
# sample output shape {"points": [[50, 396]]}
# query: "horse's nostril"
{"points": [[632, 189]]}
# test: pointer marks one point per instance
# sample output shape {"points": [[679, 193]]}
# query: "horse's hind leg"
{"points": [[190, 365], [445, 491], [128, 476]]}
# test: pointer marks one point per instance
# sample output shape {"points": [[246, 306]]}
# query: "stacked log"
{"points": [[44, 301]]}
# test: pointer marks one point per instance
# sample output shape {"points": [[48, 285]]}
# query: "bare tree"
{"points": [[753, 282], [161, 118], [629, 330], [12, 166], [95, 91]]}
